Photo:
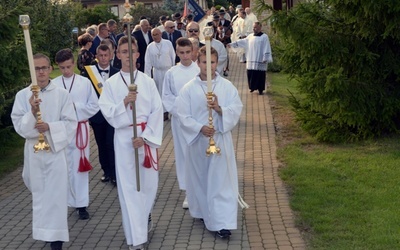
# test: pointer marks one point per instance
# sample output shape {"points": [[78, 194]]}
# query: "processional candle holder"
{"points": [[128, 20], [24, 21], [212, 148]]}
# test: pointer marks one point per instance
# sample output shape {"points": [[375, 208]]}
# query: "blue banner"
{"points": [[196, 10]]}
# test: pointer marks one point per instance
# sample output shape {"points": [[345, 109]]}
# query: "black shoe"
{"points": [[83, 213], [251, 90], [260, 93], [224, 233], [166, 114], [56, 245], [114, 181], [149, 224], [225, 73], [105, 178]]}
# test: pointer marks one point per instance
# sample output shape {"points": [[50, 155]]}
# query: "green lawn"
{"points": [[346, 195], [11, 152]]}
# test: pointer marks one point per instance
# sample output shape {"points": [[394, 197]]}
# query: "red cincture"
{"points": [[149, 161], [81, 144]]}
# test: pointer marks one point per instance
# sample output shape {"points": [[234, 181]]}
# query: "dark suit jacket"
{"points": [[116, 63], [175, 35], [228, 32], [119, 36], [98, 117], [95, 44], [142, 47]]}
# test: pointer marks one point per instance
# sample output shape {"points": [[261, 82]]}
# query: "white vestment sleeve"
{"points": [[147, 58], [190, 127], [89, 106], [23, 119], [230, 112], [169, 93], [241, 43], [267, 54], [172, 53], [154, 127]]}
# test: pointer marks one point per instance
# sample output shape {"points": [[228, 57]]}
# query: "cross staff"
{"points": [[128, 20]]}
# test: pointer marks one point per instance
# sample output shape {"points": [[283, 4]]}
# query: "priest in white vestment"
{"points": [[45, 174], [115, 104], [250, 15], [242, 27], [211, 181], [159, 58], [258, 54], [84, 99], [174, 80]]}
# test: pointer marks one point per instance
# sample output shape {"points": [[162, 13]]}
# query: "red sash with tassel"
{"points": [[81, 144], [149, 161]]}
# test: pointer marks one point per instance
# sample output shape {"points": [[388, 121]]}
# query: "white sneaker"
{"points": [[185, 204]]}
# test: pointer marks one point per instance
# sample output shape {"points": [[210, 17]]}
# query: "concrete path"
{"points": [[267, 224]]}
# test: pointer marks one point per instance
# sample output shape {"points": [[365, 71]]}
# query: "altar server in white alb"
{"points": [[174, 80], [211, 181], [84, 99], [258, 54], [115, 104], [45, 174]]}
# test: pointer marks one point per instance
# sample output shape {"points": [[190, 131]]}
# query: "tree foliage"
{"points": [[346, 58], [98, 14], [50, 31]]}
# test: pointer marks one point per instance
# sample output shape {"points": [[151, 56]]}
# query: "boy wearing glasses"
{"points": [[116, 105], [45, 174]]}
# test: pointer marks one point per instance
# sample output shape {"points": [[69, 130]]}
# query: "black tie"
{"points": [[170, 37], [105, 71]]}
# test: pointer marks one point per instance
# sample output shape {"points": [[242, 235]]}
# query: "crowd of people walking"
{"points": [[169, 64]]}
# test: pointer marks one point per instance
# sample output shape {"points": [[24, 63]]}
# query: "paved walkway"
{"points": [[267, 224]]}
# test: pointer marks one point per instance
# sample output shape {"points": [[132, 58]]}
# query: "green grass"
{"points": [[11, 153], [345, 195]]}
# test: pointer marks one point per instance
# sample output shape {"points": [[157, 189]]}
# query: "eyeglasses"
{"points": [[44, 69], [172, 27], [191, 31]]}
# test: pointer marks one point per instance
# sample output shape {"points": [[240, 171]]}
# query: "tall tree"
{"points": [[346, 58]]}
